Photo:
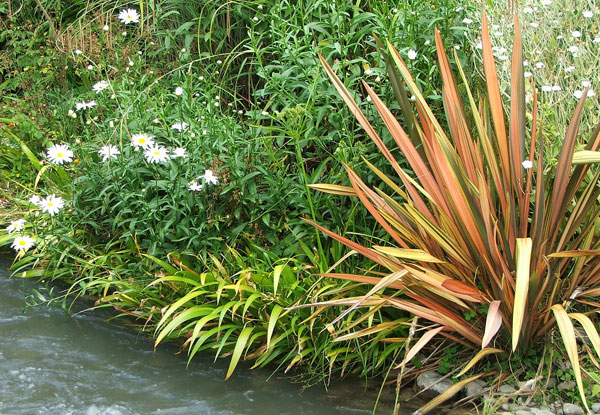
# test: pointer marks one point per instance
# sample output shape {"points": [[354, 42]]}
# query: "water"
{"points": [[55, 364]]}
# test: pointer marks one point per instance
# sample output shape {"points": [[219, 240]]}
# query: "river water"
{"points": [[51, 363]]}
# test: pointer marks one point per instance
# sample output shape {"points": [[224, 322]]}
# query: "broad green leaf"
{"points": [[239, 348], [273, 321]]}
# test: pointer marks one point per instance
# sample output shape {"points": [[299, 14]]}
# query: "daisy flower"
{"points": [[59, 153], [569, 69], [52, 204], [210, 178], [179, 126], [194, 186], [527, 164], [588, 14], [178, 91], [100, 86], [15, 225], [573, 49], [127, 16], [84, 105], [412, 54], [22, 243], [466, 20], [578, 94], [108, 152], [178, 152], [576, 33], [156, 154], [142, 140], [586, 84], [35, 200]]}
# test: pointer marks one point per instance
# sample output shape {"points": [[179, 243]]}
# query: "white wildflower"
{"points": [[22, 243], [576, 33], [586, 84], [179, 126], [466, 20], [527, 164], [127, 16], [569, 69], [142, 140], [209, 177], [100, 86], [573, 49], [105, 28], [84, 105], [15, 225], [52, 204], [35, 200], [412, 54], [178, 152], [194, 186], [578, 94], [588, 14], [156, 154], [540, 65], [109, 152], [178, 91], [59, 154]]}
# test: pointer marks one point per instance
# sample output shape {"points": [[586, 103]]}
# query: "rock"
{"points": [[572, 409], [567, 385], [430, 382], [551, 383], [596, 407], [522, 412], [475, 388], [505, 407], [527, 386], [507, 389], [544, 412]]}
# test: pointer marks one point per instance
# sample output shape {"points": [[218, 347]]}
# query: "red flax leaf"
{"points": [[492, 323], [517, 112]]}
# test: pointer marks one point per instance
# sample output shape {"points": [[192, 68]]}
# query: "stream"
{"points": [[52, 363]]}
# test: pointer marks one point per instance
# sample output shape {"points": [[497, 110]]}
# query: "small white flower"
{"points": [[457, 47], [586, 84], [72, 114], [156, 154], [559, 37], [90, 67], [183, 50], [178, 91], [466, 20], [209, 177], [127, 16], [527, 74], [412, 54], [194, 186], [503, 57], [527, 10], [130, 63], [84, 105], [527, 164], [52, 204], [105, 28], [265, 113], [556, 88], [22, 243], [111, 124], [124, 33], [219, 61], [540, 65], [569, 69], [368, 71], [546, 2], [178, 152], [179, 126], [35, 200], [428, 42], [479, 45], [78, 52], [109, 152], [15, 225], [547, 88], [534, 24], [142, 140], [255, 18], [591, 93], [100, 86], [578, 94], [260, 7], [368, 98], [588, 14], [596, 39], [576, 33], [201, 78], [573, 49], [525, 63], [59, 154]]}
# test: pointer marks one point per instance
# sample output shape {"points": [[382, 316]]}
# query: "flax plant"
{"points": [[481, 219]]}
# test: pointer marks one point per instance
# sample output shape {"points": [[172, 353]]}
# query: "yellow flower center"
{"points": [[22, 243], [157, 153], [59, 154], [142, 140], [50, 204]]}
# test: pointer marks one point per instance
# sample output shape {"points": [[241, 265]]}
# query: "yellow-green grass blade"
{"points": [[568, 335], [239, 348], [334, 189], [422, 342], [589, 328], [277, 309], [482, 353], [404, 253], [586, 157], [523, 258]]}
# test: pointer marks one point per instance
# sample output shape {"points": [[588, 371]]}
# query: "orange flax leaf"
{"points": [[462, 329], [416, 309], [398, 285], [422, 342], [358, 186], [559, 201], [459, 287], [333, 189], [351, 244], [517, 113], [496, 107], [454, 108], [493, 323], [408, 149]]}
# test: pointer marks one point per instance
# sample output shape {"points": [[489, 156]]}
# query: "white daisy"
{"points": [[59, 153], [466, 20], [546, 2], [178, 91], [547, 88], [412, 54], [194, 186], [586, 84], [178, 152], [527, 10], [596, 39], [156, 154], [105, 28], [35, 200], [179, 126], [52, 204], [209, 177], [100, 86], [527, 164], [573, 49], [109, 152], [578, 94], [127, 16], [576, 33], [534, 24], [22, 243], [527, 74], [142, 140], [556, 88], [588, 14], [15, 225], [591, 93], [84, 105], [540, 65], [569, 69]]}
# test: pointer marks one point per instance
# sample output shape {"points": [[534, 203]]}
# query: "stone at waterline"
{"points": [[596, 407], [567, 385], [432, 384], [475, 388], [507, 389], [572, 409]]}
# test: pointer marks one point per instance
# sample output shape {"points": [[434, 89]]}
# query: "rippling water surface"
{"points": [[51, 363]]}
